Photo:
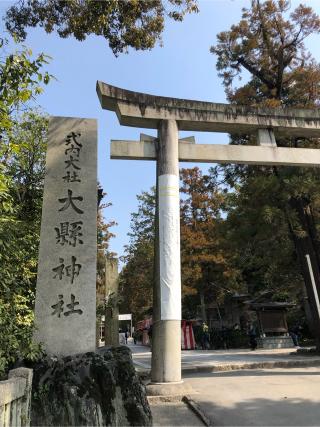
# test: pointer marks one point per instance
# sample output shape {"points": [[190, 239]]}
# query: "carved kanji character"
{"points": [[69, 233], [74, 177], [71, 162], [72, 137], [71, 270], [73, 149], [69, 202]]}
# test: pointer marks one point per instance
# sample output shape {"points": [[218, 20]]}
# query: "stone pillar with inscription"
{"points": [[65, 309]]}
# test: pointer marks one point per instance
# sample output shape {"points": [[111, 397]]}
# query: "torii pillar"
{"points": [[166, 332], [168, 115]]}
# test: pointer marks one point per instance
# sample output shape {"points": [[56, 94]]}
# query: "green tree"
{"points": [[256, 231], [21, 80], [136, 278], [132, 23], [22, 151], [269, 44], [205, 265], [19, 238], [104, 235]]}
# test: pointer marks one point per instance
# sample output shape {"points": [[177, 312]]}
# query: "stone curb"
{"points": [[195, 407], [192, 405], [154, 400], [256, 365], [145, 374]]}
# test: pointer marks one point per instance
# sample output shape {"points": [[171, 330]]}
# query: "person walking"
{"points": [[252, 332], [294, 334], [205, 343]]}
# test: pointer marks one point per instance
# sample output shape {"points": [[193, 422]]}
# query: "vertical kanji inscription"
{"points": [[66, 290]]}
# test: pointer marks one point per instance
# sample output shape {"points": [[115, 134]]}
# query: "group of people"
{"points": [[205, 336], [123, 336], [252, 334], [223, 336]]}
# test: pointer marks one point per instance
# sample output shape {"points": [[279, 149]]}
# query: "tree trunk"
{"points": [[305, 246], [203, 306]]}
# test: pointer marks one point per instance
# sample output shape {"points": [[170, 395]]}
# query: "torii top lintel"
{"points": [[146, 111]]}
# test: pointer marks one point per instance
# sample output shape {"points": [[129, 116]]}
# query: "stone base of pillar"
{"points": [[169, 389], [166, 352]]}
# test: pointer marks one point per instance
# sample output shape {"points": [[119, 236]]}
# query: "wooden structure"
{"points": [[15, 398]]}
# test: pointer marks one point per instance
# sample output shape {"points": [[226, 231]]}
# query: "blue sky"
{"points": [[182, 68]]}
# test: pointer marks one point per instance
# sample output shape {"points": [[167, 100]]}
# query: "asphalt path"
{"points": [[228, 359], [277, 397], [239, 395]]}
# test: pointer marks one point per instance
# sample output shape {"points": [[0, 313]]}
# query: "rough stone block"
{"points": [[89, 389]]}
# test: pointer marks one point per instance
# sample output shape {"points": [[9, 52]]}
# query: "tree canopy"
{"points": [[248, 228], [21, 80], [20, 209], [136, 278], [204, 255], [269, 44], [132, 23]]}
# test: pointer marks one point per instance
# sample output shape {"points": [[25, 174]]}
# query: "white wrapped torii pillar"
{"points": [[168, 116]]}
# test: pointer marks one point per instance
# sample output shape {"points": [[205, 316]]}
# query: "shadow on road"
{"points": [[260, 397], [264, 412]]}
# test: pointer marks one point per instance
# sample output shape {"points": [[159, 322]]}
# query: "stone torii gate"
{"points": [[168, 116]]}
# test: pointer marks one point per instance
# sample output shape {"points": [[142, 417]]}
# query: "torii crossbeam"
{"points": [[168, 116]]}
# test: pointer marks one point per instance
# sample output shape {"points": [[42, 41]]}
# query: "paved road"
{"points": [[175, 414], [224, 359], [252, 397], [277, 397]]}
